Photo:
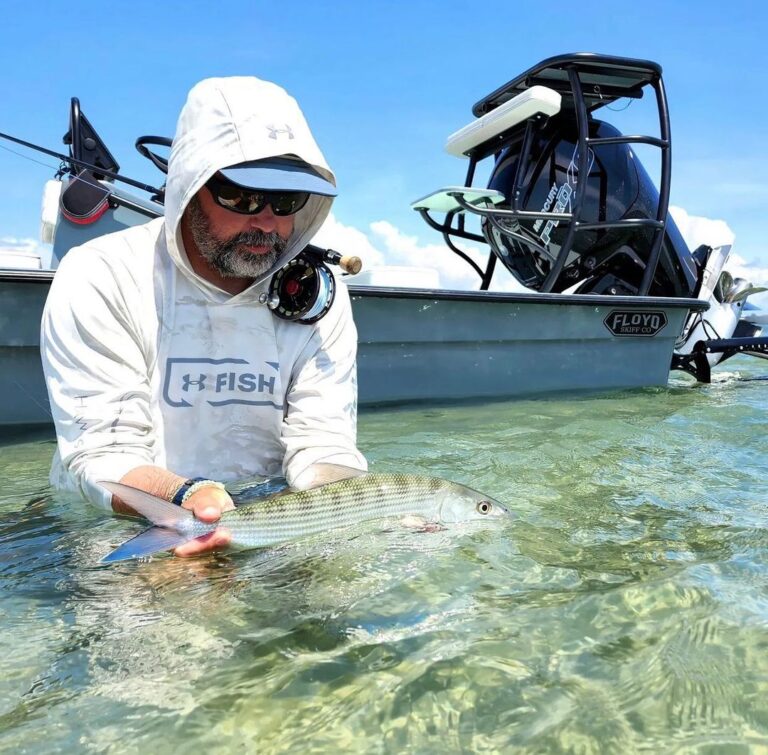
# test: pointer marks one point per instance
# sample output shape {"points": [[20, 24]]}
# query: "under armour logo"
{"points": [[228, 381], [187, 382], [274, 131]]}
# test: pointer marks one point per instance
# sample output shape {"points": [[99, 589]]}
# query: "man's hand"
{"points": [[207, 504]]}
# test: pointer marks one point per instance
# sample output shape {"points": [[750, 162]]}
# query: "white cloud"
{"points": [[348, 240], [698, 230], [738, 267], [21, 252], [386, 245], [15, 244], [402, 249]]}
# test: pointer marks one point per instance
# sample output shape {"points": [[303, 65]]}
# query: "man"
{"points": [[165, 368]]}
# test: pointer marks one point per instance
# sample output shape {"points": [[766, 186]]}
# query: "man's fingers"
{"points": [[208, 504], [208, 512], [216, 540]]}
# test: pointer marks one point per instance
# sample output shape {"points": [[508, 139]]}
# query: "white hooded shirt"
{"points": [[148, 363]]}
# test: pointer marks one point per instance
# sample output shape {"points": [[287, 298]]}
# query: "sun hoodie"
{"points": [[148, 363]]}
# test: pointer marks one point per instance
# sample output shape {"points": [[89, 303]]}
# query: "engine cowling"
{"points": [[603, 260]]}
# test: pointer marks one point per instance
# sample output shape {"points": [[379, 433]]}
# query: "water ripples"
{"points": [[624, 608]]}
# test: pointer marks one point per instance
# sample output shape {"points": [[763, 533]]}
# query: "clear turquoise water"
{"points": [[624, 609]]}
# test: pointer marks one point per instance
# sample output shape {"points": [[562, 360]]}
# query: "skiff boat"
{"points": [[613, 298]]}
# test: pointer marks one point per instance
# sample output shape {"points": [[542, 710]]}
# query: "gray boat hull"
{"points": [[22, 388], [427, 345], [420, 345]]}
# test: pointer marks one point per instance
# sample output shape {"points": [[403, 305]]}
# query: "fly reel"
{"points": [[304, 289]]}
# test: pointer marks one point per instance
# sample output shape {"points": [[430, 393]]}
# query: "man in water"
{"points": [[165, 368]]}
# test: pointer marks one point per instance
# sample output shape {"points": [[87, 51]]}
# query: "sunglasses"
{"points": [[253, 201]]}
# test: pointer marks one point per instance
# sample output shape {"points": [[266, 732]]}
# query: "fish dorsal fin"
{"points": [[157, 510]]}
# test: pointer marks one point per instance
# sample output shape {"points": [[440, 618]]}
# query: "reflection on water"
{"points": [[624, 609]]}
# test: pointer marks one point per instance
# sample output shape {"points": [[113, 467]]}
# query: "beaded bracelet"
{"points": [[189, 487]]}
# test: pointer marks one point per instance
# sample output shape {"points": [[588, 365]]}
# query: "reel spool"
{"points": [[304, 289]]}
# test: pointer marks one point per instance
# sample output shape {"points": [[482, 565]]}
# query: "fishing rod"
{"points": [[82, 164]]}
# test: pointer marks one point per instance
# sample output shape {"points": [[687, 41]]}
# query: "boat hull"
{"points": [[430, 345], [422, 345], [22, 388]]}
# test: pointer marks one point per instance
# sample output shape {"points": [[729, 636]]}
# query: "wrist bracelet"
{"points": [[191, 486]]}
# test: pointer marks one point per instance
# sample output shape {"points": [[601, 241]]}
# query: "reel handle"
{"points": [[347, 262], [351, 264]]}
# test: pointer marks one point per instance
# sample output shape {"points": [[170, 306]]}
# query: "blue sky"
{"points": [[382, 84]]}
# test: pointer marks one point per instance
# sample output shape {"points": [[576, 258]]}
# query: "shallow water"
{"points": [[624, 608]]}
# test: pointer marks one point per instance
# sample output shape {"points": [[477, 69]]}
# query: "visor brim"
{"points": [[278, 174]]}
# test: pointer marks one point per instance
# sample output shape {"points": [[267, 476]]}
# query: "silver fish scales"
{"points": [[292, 515]]}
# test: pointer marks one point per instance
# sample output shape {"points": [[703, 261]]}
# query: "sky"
{"points": [[383, 84]]}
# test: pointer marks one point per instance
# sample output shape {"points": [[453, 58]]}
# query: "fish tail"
{"points": [[172, 524], [150, 541], [159, 511]]}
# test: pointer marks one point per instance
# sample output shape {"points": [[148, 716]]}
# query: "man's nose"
{"points": [[265, 221]]}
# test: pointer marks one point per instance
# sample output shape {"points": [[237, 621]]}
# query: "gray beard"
{"points": [[228, 258]]}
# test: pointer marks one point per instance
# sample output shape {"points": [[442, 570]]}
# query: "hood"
{"points": [[226, 121]]}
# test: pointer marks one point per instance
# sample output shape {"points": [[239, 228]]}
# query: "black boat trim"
{"points": [[11, 275], [616, 77]]}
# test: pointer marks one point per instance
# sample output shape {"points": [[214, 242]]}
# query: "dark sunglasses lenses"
{"points": [[250, 202], [287, 203]]}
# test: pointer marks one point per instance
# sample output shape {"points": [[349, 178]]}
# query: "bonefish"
{"points": [[291, 515]]}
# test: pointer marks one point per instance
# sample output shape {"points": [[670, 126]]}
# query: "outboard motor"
{"points": [[570, 209], [602, 260]]}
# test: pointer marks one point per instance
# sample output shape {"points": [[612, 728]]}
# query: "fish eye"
{"points": [[484, 507]]}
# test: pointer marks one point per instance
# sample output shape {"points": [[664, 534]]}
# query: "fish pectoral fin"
{"points": [[145, 543], [420, 523], [317, 475]]}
